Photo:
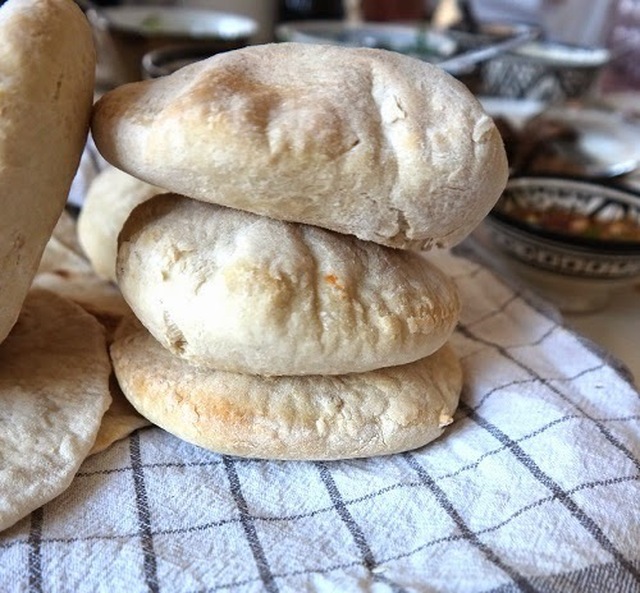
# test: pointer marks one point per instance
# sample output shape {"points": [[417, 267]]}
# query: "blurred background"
{"points": [[611, 24]]}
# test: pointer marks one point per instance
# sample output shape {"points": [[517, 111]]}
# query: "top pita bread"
{"points": [[47, 69], [360, 141]]}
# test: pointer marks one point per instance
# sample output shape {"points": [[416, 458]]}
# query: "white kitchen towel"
{"points": [[534, 487]]}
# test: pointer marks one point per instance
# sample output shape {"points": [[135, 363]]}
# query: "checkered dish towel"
{"points": [[534, 487]]}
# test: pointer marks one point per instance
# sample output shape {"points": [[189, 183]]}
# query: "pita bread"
{"points": [[47, 70], [54, 373], [119, 421], [360, 141], [230, 290], [65, 272], [66, 232], [111, 197], [358, 415]]}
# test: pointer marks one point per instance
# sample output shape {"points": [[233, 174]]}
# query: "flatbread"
{"points": [[230, 290], [47, 72], [360, 141], [358, 415], [109, 201], [119, 421], [54, 391], [66, 232], [65, 271], [70, 274]]}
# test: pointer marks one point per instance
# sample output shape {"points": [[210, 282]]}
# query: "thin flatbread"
{"points": [[111, 197], [65, 271], [54, 390], [119, 421], [70, 275]]}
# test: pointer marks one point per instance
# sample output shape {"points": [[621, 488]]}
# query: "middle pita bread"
{"points": [[231, 290]]}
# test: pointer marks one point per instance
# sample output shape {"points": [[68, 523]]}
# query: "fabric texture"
{"points": [[534, 487]]}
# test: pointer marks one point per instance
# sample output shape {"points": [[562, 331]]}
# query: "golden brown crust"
{"points": [[360, 141], [359, 415]]}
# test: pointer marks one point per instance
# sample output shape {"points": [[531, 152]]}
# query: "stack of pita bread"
{"points": [[273, 306], [278, 310]]}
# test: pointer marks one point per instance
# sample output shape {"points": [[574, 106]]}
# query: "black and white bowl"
{"points": [[576, 240], [544, 71]]}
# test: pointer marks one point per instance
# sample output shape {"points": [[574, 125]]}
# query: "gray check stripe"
{"points": [[344, 514], [497, 526], [293, 573], [467, 534], [496, 312], [34, 557], [163, 465], [535, 379], [549, 385], [249, 527], [552, 497], [144, 518], [213, 525], [561, 495], [355, 530]]}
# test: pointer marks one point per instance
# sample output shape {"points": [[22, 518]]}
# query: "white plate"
{"points": [[178, 21], [515, 111]]}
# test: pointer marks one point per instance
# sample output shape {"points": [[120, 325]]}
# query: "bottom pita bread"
{"points": [[54, 373], [311, 418]]}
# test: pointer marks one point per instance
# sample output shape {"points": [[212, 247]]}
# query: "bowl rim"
{"points": [[552, 53], [154, 61], [228, 25], [584, 244], [315, 31]]}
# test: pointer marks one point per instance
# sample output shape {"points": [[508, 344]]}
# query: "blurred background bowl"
{"points": [[415, 40], [457, 52], [544, 71], [125, 33], [166, 60], [573, 240], [575, 138]]}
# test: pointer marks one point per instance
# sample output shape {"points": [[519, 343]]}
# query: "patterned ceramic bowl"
{"points": [[543, 71], [579, 237]]}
